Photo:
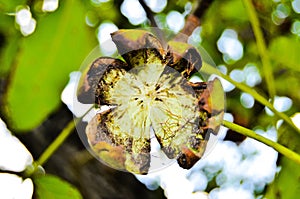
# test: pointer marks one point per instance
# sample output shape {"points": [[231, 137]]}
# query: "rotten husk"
{"points": [[149, 90]]}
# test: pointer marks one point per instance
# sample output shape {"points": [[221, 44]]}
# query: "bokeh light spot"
{"points": [[247, 100], [230, 46], [295, 29], [156, 5], [175, 21], [296, 6], [134, 11], [107, 46], [50, 5], [237, 75]]}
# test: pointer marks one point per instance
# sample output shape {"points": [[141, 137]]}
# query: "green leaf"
{"points": [[285, 51], [286, 184], [49, 187], [10, 37], [61, 42], [10, 6], [234, 10]]}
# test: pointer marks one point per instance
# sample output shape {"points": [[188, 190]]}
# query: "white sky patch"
{"points": [[227, 86], [295, 29], [134, 11], [195, 38], [68, 96], [247, 100], [230, 46], [296, 119], [252, 75], [25, 190], [222, 69], [237, 75], [25, 21], [50, 5], [13, 154], [29, 28], [228, 117], [296, 6], [23, 16], [230, 193], [281, 12], [281, 104], [195, 78], [107, 46], [12, 186], [98, 2], [268, 111], [187, 9], [13, 157], [251, 162], [175, 21], [249, 75], [156, 5], [199, 181]]}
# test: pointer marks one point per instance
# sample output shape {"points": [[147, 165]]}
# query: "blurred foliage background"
{"points": [[37, 55]]}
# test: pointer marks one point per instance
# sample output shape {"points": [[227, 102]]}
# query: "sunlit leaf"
{"points": [[49, 187], [285, 51], [9, 6], [42, 67], [234, 10]]}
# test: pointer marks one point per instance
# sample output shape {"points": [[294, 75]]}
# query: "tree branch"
{"points": [[193, 20], [202, 8], [153, 23]]}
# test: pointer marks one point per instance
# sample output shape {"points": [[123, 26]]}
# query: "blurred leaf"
{"points": [[286, 184], [285, 50], [9, 39], [234, 10], [10, 6], [50, 187], [59, 45], [290, 78], [107, 11]]}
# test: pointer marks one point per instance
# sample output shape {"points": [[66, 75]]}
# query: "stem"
{"points": [[207, 68], [56, 143], [278, 147], [261, 46]]}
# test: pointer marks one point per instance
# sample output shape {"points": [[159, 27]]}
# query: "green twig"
{"points": [[54, 146], [278, 147], [207, 68], [261, 46], [56, 143]]}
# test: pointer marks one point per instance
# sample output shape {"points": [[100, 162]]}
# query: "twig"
{"points": [[193, 20], [153, 23], [202, 8], [207, 68], [64, 134], [278, 147], [261, 46]]}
